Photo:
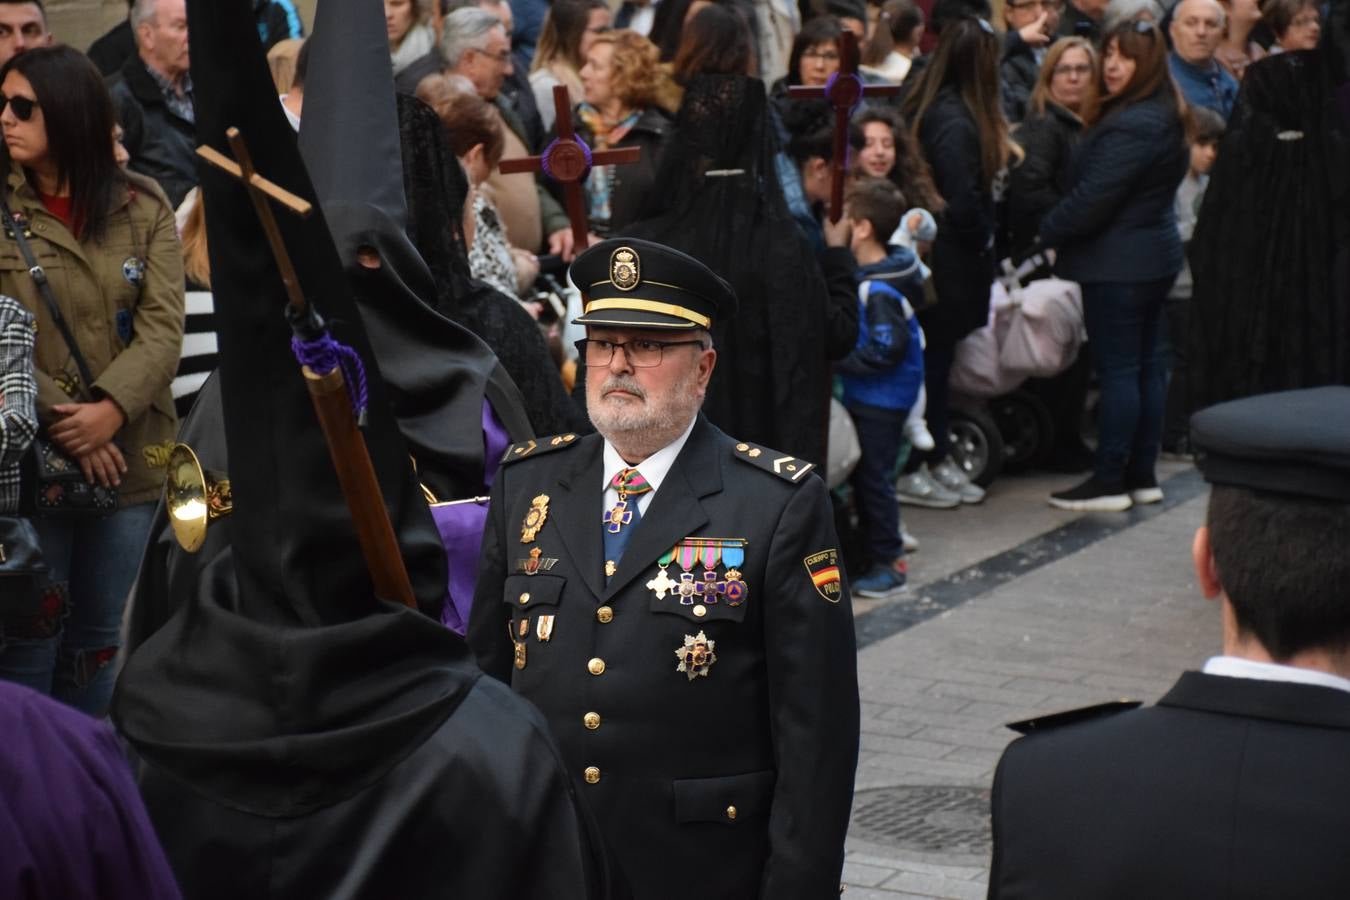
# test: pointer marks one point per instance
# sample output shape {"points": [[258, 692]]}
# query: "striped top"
{"points": [[199, 350]]}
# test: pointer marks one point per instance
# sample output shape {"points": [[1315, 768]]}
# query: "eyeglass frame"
{"points": [[18, 101], [583, 343], [1083, 69], [822, 55]]}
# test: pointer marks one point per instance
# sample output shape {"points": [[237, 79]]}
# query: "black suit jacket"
{"points": [[771, 730], [162, 145], [1228, 788]]}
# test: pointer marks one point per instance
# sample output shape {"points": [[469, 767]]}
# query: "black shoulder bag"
{"points": [[54, 484]]}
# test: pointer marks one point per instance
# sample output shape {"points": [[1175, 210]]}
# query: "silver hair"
{"points": [[465, 29], [1118, 11], [142, 11]]}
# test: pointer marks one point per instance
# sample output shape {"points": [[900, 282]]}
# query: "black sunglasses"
{"points": [[23, 106]]}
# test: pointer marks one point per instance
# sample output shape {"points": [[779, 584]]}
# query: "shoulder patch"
{"points": [[1073, 716], [526, 449], [788, 468]]}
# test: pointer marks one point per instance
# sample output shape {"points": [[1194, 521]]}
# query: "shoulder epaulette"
{"points": [[1073, 716], [527, 449], [788, 468]]}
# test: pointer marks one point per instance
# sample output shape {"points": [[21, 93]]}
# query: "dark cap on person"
{"points": [[631, 283], [1292, 442]]}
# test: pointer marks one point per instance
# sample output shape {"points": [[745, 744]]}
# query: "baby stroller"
{"points": [[1035, 330]]}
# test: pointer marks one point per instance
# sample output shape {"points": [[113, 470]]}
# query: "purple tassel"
{"points": [[325, 354]]}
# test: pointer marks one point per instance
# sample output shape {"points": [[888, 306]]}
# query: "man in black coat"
{"points": [[1235, 785], [153, 95], [702, 682]]}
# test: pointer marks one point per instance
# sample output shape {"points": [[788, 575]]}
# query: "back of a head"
{"points": [[895, 26], [463, 30], [715, 42], [469, 120], [1279, 514]]}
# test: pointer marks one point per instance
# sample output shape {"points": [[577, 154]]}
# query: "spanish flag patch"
{"points": [[823, 568]]}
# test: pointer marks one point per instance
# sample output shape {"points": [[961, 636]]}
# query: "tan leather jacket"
{"points": [[122, 297]]}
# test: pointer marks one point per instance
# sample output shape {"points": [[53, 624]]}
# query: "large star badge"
{"points": [[696, 656]]}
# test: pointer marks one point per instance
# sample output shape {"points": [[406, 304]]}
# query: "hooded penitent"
{"points": [[297, 735]]}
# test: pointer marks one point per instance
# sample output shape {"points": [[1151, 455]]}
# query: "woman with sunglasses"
{"points": [[1116, 233], [105, 239]]}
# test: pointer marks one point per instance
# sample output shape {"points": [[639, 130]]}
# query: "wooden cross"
{"points": [[843, 92], [327, 390], [566, 162]]}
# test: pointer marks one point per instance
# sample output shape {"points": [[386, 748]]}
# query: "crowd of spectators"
{"points": [[1084, 129]]}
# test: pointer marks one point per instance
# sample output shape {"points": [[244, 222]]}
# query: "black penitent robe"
{"points": [[1271, 251], [724, 207]]}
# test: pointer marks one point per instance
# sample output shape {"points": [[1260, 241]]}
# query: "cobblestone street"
{"points": [[1034, 611]]}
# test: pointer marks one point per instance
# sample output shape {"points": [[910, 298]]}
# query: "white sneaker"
{"points": [[910, 541], [920, 489], [950, 476]]}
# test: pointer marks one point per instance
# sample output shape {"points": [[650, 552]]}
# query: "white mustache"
{"points": [[623, 383]]}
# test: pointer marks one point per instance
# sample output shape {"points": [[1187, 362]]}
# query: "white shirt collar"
{"points": [[1237, 667], [654, 468]]}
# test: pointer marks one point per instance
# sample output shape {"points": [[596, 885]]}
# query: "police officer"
{"points": [[673, 600], [1235, 784]]}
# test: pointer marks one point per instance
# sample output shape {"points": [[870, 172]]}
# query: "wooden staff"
{"points": [[327, 390]]}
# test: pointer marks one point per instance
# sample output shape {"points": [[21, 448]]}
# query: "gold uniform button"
{"points": [[596, 666], [605, 615], [592, 775], [700, 611], [731, 813], [524, 598], [592, 720]]}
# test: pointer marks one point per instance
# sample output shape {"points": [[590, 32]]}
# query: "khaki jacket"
{"points": [[130, 335]]}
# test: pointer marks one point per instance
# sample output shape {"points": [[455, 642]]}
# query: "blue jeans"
{"points": [[73, 660], [880, 434], [1127, 329]]}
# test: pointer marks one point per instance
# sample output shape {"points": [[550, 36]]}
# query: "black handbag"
{"points": [[24, 574], [53, 484]]}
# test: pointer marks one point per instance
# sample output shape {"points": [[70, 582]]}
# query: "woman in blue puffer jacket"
{"points": [[1116, 233]]}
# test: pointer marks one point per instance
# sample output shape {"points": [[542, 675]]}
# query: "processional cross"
{"points": [[844, 91], [321, 360], [567, 160]]}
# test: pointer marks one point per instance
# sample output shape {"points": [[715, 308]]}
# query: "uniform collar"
{"points": [[1237, 667], [654, 468]]}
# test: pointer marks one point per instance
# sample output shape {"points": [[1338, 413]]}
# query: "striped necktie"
{"points": [[622, 519]]}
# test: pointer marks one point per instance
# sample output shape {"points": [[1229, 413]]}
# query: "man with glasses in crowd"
{"points": [[1031, 25], [674, 602]]}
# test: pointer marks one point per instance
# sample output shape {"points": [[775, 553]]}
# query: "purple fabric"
{"points": [[461, 528], [71, 820]]}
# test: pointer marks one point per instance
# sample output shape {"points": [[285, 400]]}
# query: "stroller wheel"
{"points": [[976, 444], [1027, 428]]}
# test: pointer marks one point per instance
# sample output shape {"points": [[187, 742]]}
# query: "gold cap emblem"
{"points": [[625, 269]]}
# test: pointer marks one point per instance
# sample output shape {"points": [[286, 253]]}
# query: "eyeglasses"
{"points": [[23, 106], [641, 354], [822, 55], [501, 56], [1068, 69]]}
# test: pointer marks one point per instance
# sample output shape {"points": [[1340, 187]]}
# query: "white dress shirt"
{"points": [[1237, 667], [654, 468]]}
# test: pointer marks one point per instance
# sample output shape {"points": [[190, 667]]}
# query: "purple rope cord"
{"points": [[324, 355], [829, 87], [586, 151]]}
